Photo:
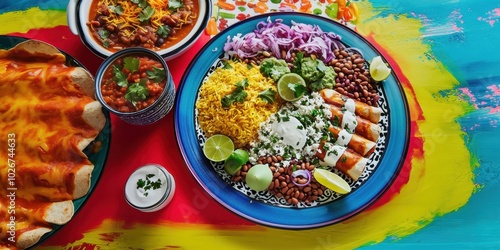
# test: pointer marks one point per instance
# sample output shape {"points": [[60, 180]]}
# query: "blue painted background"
{"points": [[472, 55]]}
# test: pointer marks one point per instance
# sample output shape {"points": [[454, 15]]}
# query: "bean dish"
{"points": [[152, 24], [133, 83]]}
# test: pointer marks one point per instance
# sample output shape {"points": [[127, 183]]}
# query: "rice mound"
{"points": [[240, 121]]}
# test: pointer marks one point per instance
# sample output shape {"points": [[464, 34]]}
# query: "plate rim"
{"points": [[105, 133], [398, 88]]}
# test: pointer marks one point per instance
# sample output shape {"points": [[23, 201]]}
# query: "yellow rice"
{"points": [[242, 120]]}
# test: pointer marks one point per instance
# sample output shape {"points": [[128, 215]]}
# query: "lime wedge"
{"points": [[235, 161], [378, 69], [218, 147], [291, 87], [259, 177], [331, 181]]}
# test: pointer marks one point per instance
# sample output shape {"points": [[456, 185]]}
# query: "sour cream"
{"points": [[291, 132], [333, 154], [350, 105], [349, 121], [149, 188], [344, 137]]}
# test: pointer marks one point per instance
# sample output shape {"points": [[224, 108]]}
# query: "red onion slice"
{"points": [[304, 173]]}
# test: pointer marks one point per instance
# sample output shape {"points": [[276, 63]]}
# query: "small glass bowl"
{"points": [[154, 198]]}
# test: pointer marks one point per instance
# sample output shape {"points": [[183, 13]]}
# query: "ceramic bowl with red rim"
{"points": [[136, 85], [166, 27]]}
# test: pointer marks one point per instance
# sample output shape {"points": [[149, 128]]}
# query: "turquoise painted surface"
{"points": [[465, 38]]}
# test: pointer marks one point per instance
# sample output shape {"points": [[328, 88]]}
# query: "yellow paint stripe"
{"points": [[33, 18]]}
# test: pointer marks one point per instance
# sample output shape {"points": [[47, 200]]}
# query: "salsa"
{"points": [[132, 83], [152, 24]]}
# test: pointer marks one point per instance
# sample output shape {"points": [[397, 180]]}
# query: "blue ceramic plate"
{"points": [[385, 166], [98, 159]]}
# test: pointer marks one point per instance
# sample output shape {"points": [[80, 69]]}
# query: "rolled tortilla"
{"points": [[358, 144], [348, 162], [365, 128], [361, 109], [34, 50], [31, 236], [56, 181]]}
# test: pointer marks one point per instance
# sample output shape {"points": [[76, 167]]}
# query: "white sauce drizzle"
{"points": [[350, 105], [333, 154], [349, 121], [344, 137]]}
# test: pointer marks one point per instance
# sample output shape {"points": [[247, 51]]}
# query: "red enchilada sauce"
{"points": [[153, 24], [133, 83]]}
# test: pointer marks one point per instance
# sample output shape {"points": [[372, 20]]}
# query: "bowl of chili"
{"points": [[136, 85], [167, 27]]}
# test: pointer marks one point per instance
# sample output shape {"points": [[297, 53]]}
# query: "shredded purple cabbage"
{"points": [[276, 37]]}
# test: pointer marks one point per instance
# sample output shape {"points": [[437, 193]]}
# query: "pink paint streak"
{"points": [[492, 18], [471, 96], [495, 89]]}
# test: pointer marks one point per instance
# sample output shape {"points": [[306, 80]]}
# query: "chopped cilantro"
{"points": [[238, 94], [142, 3], [119, 76], [175, 4], [148, 184], [131, 63], [146, 14], [268, 96], [137, 92], [116, 9], [227, 65], [105, 44], [298, 89], [297, 63], [103, 33], [335, 121], [157, 75], [141, 183], [163, 31]]}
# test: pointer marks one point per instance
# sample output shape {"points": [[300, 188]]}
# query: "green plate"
{"points": [[98, 159]]}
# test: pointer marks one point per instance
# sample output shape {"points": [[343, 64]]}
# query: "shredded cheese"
{"points": [[128, 20]]}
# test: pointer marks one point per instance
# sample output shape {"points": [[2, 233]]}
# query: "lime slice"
{"points": [[331, 181], [218, 147], [378, 69], [259, 177], [289, 87], [235, 161]]}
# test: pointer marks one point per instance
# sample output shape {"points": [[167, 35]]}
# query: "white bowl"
{"points": [[159, 197], [78, 17]]}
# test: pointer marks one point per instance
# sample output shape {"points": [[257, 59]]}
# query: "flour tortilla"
{"points": [[36, 50], [359, 144], [82, 181], [361, 109], [365, 128], [31, 237], [59, 213]]}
